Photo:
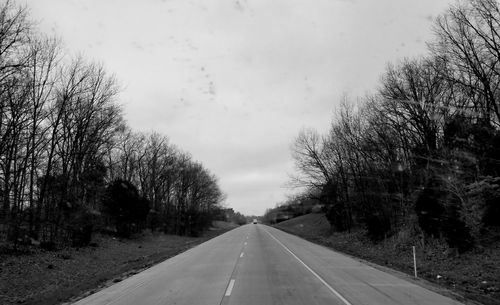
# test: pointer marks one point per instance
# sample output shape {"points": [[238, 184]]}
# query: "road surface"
{"points": [[258, 265]]}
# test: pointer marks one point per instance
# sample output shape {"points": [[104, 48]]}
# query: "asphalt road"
{"points": [[258, 265]]}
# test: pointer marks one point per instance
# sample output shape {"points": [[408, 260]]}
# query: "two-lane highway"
{"points": [[256, 264]]}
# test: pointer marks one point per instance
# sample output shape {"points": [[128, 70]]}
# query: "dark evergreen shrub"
{"points": [[429, 208], [123, 203]]}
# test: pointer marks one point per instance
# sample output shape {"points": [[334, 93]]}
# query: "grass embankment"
{"points": [[474, 275], [43, 277]]}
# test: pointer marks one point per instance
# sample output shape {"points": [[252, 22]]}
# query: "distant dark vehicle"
{"points": [[255, 221]]}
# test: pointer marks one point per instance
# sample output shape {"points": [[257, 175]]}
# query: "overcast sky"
{"points": [[233, 81]]}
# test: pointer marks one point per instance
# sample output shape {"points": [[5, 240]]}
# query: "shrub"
{"points": [[429, 208], [455, 232], [491, 216], [338, 217], [123, 203], [81, 228], [442, 213], [378, 225]]}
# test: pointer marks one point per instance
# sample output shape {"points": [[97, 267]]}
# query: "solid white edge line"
{"points": [[229, 288], [346, 302]]}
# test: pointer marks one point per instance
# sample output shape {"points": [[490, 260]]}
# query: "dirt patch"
{"points": [[43, 277], [471, 277]]}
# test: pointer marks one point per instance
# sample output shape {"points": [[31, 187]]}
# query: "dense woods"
{"points": [[70, 165], [422, 154]]}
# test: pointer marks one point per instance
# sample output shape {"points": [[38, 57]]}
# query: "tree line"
{"points": [[422, 153], [69, 164]]}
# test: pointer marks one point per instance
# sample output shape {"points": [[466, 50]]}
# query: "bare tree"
{"points": [[468, 41]]}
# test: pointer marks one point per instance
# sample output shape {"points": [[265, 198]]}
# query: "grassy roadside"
{"points": [[42, 277], [474, 275]]}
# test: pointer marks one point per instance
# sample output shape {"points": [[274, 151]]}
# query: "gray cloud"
{"points": [[233, 82]]}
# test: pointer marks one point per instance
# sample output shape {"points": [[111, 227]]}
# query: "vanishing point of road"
{"points": [[259, 265]]}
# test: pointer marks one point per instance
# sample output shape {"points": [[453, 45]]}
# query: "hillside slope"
{"points": [[312, 225]]}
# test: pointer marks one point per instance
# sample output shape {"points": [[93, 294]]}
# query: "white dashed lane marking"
{"points": [[229, 288]]}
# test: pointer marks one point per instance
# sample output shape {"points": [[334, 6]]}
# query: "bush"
{"points": [[48, 245], [481, 209], [429, 208], [378, 226], [338, 216], [455, 232], [81, 228], [197, 221], [128, 210], [491, 216], [442, 213]]}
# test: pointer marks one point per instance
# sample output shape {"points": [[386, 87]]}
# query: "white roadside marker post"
{"points": [[414, 261]]}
